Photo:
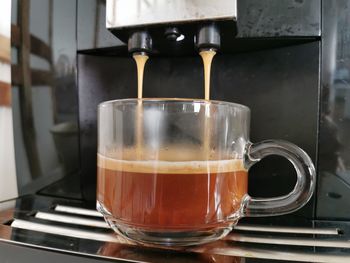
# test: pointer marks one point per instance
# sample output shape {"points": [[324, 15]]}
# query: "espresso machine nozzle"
{"points": [[208, 37], [140, 42]]}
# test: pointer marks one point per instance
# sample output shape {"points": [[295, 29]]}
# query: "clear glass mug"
{"points": [[175, 171]]}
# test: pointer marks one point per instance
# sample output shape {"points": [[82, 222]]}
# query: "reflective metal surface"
{"points": [[286, 229], [334, 148], [136, 13], [271, 18], [76, 210], [91, 26], [256, 19], [71, 220], [21, 225]]}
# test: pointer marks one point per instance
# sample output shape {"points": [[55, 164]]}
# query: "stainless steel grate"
{"points": [[289, 230], [319, 244], [76, 210], [71, 220]]}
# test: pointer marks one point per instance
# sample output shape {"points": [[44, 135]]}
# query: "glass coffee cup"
{"points": [[174, 172]]}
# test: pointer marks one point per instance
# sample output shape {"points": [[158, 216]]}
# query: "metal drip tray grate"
{"points": [[61, 227]]}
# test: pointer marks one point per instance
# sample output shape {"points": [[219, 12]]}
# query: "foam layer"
{"points": [[171, 167], [173, 153]]}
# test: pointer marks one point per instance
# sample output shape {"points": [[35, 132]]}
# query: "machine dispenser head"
{"points": [[208, 37], [175, 27], [140, 42]]}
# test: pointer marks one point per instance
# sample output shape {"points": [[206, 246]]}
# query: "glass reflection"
{"points": [[44, 93], [334, 148]]}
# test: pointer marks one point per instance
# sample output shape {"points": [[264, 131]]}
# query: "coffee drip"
{"points": [[207, 57], [141, 59]]}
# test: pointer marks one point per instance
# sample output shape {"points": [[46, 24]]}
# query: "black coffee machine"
{"points": [[289, 61]]}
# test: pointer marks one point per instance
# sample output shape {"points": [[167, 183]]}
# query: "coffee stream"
{"points": [[207, 57], [141, 59]]}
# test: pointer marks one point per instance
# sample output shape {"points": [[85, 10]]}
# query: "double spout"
{"points": [[207, 38], [207, 42]]}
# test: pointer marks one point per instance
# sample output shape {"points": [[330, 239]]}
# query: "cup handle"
{"points": [[303, 189]]}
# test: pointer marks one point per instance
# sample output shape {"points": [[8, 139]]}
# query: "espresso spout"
{"points": [[140, 42], [208, 37]]}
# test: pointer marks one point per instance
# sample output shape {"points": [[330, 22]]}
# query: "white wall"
{"points": [[8, 183]]}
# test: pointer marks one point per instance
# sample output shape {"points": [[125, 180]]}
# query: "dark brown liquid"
{"points": [[184, 199]]}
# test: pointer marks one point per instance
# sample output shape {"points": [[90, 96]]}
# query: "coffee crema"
{"points": [[172, 195]]}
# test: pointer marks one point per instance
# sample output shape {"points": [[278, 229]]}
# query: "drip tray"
{"points": [[70, 227]]}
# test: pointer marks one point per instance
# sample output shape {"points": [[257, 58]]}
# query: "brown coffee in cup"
{"points": [[176, 192]]}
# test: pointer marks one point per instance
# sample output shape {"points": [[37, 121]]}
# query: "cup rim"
{"points": [[202, 101]]}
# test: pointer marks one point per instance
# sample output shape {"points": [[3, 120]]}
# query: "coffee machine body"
{"points": [[121, 16], [269, 56], [288, 61], [172, 25]]}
